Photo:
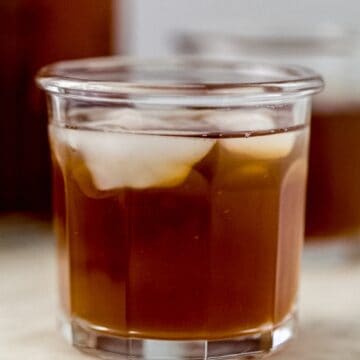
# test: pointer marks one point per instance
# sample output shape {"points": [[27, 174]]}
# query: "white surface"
{"points": [[149, 26], [329, 306]]}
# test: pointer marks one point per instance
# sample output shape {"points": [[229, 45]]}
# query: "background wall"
{"points": [[150, 25]]}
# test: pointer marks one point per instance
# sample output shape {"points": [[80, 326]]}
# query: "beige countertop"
{"points": [[329, 301]]}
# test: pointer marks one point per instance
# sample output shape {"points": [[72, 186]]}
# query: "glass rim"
{"points": [[191, 81]]}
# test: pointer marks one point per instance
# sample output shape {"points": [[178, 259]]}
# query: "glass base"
{"points": [[108, 347]]}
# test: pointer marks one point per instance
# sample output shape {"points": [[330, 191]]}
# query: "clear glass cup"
{"points": [[333, 196], [179, 190]]}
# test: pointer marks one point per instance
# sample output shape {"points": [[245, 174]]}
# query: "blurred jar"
{"points": [[34, 33], [333, 197]]}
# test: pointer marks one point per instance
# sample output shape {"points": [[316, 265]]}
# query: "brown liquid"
{"points": [[214, 257], [333, 198]]}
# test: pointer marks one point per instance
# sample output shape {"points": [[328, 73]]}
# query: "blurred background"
{"points": [[34, 33], [152, 26], [37, 32]]}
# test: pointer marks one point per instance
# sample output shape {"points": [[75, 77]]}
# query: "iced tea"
{"points": [[179, 237], [179, 191]]}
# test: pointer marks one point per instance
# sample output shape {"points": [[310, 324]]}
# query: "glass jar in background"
{"points": [[179, 204], [33, 34], [333, 195]]}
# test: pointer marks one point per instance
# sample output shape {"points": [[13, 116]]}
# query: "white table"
{"points": [[329, 302]]}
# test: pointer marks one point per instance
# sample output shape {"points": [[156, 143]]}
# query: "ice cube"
{"points": [[131, 120], [117, 160], [57, 144], [266, 146], [116, 119], [270, 146], [241, 120]]}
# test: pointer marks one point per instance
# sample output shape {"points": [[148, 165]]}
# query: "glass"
{"points": [[179, 191], [333, 196]]}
